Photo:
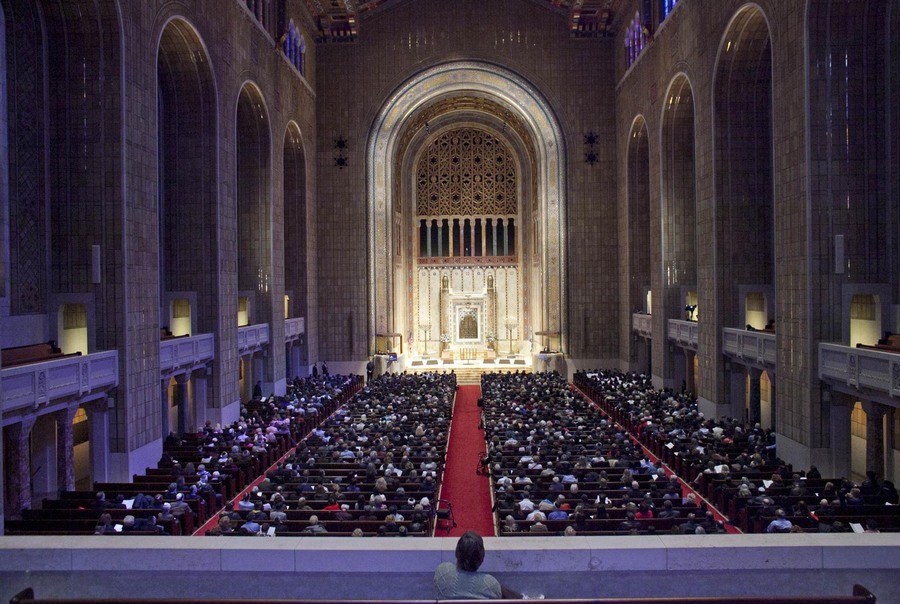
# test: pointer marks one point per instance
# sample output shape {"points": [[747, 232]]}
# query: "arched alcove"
{"points": [[186, 123], [678, 198], [639, 236], [296, 251], [743, 162], [513, 96], [254, 203]]}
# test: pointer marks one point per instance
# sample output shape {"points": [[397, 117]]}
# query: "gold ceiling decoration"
{"points": [[341, 20]]}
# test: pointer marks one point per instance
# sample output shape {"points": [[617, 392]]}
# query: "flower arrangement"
{"points": [[445, 338]]}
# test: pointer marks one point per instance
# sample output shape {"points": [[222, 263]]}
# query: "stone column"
{"points": [[451, 236], [689, 376], [737, 390], [201, 394], [65, 452], [259, 373], [296, 359], [18, 462], [247, 363], [182, 402], [483, 236], [2, 471], [98, 426], [875, 413], [840, 409], [678, 358], [755, 403], [43, 456], [164, 403], [889, 443]]}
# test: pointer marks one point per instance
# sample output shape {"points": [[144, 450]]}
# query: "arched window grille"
{"points": [[295, 47], [635, 38], [665, 7]]}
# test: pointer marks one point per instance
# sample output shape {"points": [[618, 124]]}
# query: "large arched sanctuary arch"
{"points": [[504, 103]]}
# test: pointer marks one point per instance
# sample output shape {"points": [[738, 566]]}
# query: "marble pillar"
{"points": [[164, 405], [841, 409], [755, 404], [690, 376], [183, 402], [737, 391], [98, 426], [247, 383], [43, 457], [18, 467], [2, 472], [65, 451], [199, 383], [875, 414]]}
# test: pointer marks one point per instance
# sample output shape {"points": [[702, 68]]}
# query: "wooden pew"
{"points": [[32, 353]]}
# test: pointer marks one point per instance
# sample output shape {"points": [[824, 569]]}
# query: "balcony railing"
{"points": [[860, 368], [179, 353], [294, 328], [684, 333], [252, 337], [29, 386], [642, 324], [753, 347]]}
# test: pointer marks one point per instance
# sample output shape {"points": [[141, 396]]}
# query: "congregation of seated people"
{"points": [[197, 472], [559, 466], [734, 465], [371, 468]]}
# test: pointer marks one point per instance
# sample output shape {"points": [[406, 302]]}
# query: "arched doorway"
{"points": [[477, 100]]}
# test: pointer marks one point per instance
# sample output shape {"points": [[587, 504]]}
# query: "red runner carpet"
{"points": [[469, 493]]}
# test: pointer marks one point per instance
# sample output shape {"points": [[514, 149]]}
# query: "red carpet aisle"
{"points": [[469, 494]]}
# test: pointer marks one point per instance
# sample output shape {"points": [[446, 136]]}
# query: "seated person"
{"points": [[462, 581], [781, 524]]}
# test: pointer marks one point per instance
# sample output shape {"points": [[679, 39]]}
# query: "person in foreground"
{"points": [[462, 581]]}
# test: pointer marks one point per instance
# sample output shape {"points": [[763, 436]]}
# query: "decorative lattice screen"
{"points": [[466, 172]]}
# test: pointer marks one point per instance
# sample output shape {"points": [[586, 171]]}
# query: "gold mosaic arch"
{"points": [[466, 172]]}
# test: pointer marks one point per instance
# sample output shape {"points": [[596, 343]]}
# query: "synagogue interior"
{"points": [[263, 260]]}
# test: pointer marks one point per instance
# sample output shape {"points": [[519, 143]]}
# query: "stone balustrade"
{"points": [[642, 324], [28, 387], [252, 338], [294, 328], [684, 333], [846, 367], [336, 568], [755, 348], [184, 353]]}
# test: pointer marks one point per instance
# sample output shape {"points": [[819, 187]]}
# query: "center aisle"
{"points": [[469, 493]]}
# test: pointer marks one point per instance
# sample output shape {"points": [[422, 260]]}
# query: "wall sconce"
{"points": [[340, 160], [590, 154]]}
